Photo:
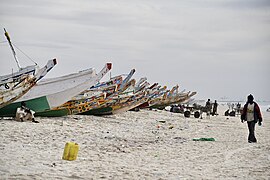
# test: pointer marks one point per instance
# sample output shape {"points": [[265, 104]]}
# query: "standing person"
{"points": [[238, 107], [208, 107], [23, 113], [252, 114], [215, 105]]}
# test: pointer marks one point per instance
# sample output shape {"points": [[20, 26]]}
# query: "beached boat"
{"points": [[176, 99], [130, 98], [88, 100], [155, 92], [112, 105], [126, 80], [105, 107], [107, 110], [15, 85], [164, 98], [132, 102], [51, 93]]}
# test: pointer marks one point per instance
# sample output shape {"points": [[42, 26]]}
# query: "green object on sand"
{"points": [[204, 139]]}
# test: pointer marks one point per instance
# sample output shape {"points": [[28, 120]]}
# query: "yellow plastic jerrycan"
{"points": [[70, 151]]}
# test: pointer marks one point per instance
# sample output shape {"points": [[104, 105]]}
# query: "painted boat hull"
{"points": [[99, 111], [53, 113], [37, 105], [10, 95], [20, 83], [125, 108], [53, 100]]}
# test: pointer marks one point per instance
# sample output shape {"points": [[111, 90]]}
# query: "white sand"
{"points": [[131, 146]]}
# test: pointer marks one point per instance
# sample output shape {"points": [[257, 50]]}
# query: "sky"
{"points": [[218, 48]]}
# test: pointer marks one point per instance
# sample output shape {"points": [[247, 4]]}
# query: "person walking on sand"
{"points": [[23, 113], [252, 114]]}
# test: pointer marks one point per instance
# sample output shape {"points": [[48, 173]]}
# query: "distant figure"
{"points": [[227, 113], [232, 106], [215, 105], [238, 107], [208, 107], [229, 106], [23, 113], [252, 114]]}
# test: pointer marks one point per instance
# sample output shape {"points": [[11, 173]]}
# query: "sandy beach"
{"points": [[135, 145]]}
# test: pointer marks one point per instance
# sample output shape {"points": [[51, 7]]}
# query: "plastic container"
{"points": [[71, 151]]}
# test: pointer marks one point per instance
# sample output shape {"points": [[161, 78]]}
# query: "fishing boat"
{"points": [[53, 92], [167, 101], [132, 102], [154, 92], [13, 86], [88, 100], [105, 107]]}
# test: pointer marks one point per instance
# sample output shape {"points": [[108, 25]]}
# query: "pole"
{"points": [[13, 51]]}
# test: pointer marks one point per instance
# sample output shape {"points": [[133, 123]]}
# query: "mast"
{"points": [[13, 51]]}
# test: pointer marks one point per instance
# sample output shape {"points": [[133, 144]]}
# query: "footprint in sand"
{"points": [[228, 155]]}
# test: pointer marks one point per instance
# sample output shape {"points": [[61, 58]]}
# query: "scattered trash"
{"points": [[162, 121], [53, 165], [204, 139], [71, 151]]}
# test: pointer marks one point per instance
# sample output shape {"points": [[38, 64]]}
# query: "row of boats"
{"points": [[82, 92]]}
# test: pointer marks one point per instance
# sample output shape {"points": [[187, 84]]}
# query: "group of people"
{"points": [[211, 107], [251, 113]]}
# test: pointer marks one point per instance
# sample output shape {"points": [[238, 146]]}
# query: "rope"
{"points": [[24, 54]]}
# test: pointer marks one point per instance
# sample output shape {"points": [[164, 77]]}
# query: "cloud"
{"points": [[187, 40]]}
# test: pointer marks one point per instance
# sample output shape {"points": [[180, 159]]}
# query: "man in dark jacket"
{"points": [[252, 114]]}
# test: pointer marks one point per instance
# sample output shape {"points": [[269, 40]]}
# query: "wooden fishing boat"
{"points": [[126, 80], [105, 107], [107, 110], [132, 102], [90, 99], [72, 107], [13, 86], [176, 99], [51, 93], [98, 100], [155, 92]]}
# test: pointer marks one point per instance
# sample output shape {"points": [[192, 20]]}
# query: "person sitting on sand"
{"points": [[252, 114], [23, 113]]}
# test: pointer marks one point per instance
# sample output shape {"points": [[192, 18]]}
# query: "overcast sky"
{"points": [[219, 48]]}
